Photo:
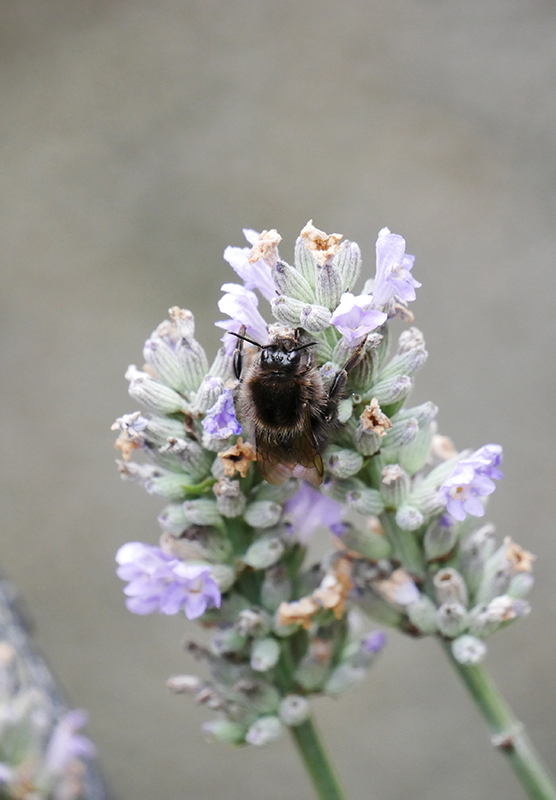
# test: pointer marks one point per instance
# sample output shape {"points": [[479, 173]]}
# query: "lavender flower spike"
{"points": [[159, 582], [356, 317], [471, 480], [393, 266], [220, 420]]}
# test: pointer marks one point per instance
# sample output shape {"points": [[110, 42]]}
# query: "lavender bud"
{"points": [[160, 429], [345, 410], [305, 261], [440, 538], [311, 673], [402, 432], [209, 391], [394, 486], [263, 514], [343, 677], [264, 731], [287, 309], [368, 442], [294, 710], [224, 731], [366, 543], [170, 485], [422, 614], [172, 519], [183, 320], [189, 455], [364, 500], [185, 684], [500, 610], [411, 339], [406, 363], [222, 366], [409, 518], [328, 285], [276, 587], [230, 500], [227, 641], [496, 577], [452, 619], [520, 585], [348, 262], [450, 587], [264, 552], [152, 394], [193, 361], [223, 575], [214, 444], [253, 622], [201, 512], [314, 318], [164, 362], [468, 650], [415, 454], [390, 390], [343, 463], [197, 543], [290, 282], [475, 551], [264, 654]]}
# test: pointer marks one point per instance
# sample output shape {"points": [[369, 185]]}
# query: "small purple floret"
{"points": [[159, 582], [66, 745], [393, 270], [220, 420], [241, 305], [257, 275], [375, 641], [472, 479], [356, 317], [308, 509]]}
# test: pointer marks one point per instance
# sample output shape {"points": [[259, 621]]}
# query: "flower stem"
{"points": [[316, 761], [508, 733]]}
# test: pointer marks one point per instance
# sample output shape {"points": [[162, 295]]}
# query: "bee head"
{"points": [[275, 357]]}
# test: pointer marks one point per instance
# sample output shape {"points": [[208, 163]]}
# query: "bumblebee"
{"points": [[283, 400]]}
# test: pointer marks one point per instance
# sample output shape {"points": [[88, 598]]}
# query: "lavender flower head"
{"points": [[159, 582], [235, 536], [472, 479]]}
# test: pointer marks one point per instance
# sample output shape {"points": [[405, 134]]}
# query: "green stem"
{"points": [[510, 735], [316, 761]]}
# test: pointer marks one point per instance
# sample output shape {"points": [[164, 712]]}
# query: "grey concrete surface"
{"points": [[138, 138]]}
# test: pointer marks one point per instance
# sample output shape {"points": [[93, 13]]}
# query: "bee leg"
{"points": [[339, 383], [237, 358]]}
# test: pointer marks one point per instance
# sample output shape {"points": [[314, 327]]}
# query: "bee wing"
{"points": [[298, 458]]}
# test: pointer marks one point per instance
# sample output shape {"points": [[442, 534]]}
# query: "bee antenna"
{"points": [[245, 339], [302, 347]]}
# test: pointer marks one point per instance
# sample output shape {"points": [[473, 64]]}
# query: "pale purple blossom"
{"points": [[257, 275], [308, 509], [471, 479], [66, 745], [393, 270], [159, 582], [220, 420], [241, 305], [356, 317], [375, 641]]}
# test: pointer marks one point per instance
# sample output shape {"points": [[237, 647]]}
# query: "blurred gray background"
{"points": [[138, 138]]}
